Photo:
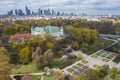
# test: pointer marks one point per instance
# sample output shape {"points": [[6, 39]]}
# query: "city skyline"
{"points": [[40, 12], [77, 6]]}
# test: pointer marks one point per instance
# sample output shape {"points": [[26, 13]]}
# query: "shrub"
{"points": [[97, 66], [79, 56], [84, 61]]}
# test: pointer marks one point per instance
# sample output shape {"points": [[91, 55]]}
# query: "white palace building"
{"points": [[52, 30]]}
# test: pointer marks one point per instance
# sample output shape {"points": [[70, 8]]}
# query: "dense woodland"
{"points": [[13, 27], [79, 34]]}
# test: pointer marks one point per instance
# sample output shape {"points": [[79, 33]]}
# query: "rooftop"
{"points": [[18, 36], [47, 29]]}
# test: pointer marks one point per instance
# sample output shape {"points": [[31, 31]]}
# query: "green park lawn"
{"points": [[39, 77], [107, 42], [56, 63], [28, 68]]}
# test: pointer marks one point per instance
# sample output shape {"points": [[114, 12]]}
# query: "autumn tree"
{"points": [[75, 45], [3, 50], [117, 77], [94, 35], [38, 58], [17, 46], [39, 61], [37, 52], [48, 55], [25, 55], [58, 75], [5, 67], [49, 45]]}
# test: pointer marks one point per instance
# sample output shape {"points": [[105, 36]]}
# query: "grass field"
{"points": [[107, 42], [29, 68], [39, 77]]}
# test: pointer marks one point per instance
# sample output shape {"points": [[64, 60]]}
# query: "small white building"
{"points": [[52, 30]]}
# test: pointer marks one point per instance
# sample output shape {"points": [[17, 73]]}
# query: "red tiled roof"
{"points": [[19, 36]]}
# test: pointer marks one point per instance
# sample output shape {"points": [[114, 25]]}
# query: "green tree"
{"points": [[17, 46], [92, 74], [104, 71], [9, 30], [49, 45], [113, 72], [84, 46], [25, 55], [14, 57], [77, 32], [80, 77]]}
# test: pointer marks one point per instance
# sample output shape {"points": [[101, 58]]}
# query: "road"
{"points": [[115, 37]]}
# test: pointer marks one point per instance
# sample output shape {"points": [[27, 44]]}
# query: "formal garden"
{"points": [[106, 56], [78, 68], [81, 67]]}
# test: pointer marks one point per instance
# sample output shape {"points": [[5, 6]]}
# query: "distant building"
{"points": [[28, 12], [20, 12], [40, 12], [53, 30], [58, 13], [10, 12], [53, 12], [16, 12], [20, 37]]}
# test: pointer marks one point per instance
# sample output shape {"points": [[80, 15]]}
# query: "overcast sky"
{"points": [[78, 6]]}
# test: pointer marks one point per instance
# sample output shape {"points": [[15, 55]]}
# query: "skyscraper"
{"points": [[28, 12], [10, 12], [58, 13], [45, 12], [53, 12], [48, 12], [40, 12], [20, 12], [16, 12]]}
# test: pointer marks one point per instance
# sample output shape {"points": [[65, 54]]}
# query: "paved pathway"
{"points": [[12, 75]]}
